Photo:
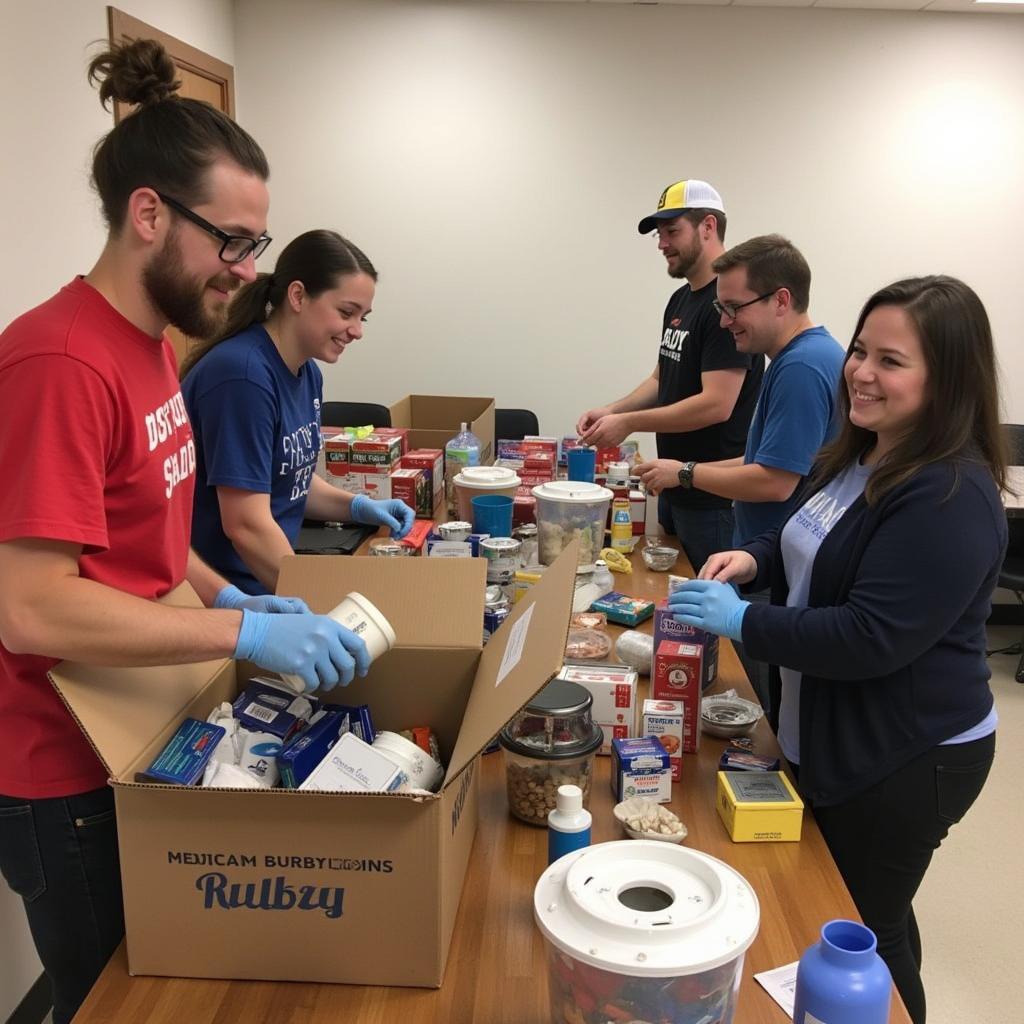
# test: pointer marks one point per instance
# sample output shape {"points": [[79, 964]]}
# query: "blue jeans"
{"points": [[60, 856], [701, 531]]}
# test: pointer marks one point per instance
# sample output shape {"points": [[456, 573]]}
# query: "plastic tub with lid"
{"points": [[477, 480], [638, 930], [568, 509], [550, 743]]}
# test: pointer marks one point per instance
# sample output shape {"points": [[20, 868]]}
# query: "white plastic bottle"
{"points": [[568, 823], [461, 451], [603, 577]]}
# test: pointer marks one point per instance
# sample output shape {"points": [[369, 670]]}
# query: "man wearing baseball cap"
{"points": [[701, 396]]}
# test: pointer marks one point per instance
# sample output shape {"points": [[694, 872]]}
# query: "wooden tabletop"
{"points": [[496, 969]]}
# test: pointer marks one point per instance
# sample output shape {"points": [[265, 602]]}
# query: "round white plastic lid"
{"points": [[374, 614], [572, 491], [710, 912], [569, 799], [487, 477]]}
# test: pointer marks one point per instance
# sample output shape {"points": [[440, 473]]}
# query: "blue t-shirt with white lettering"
{"points": [[257, 428], [795, 416]]}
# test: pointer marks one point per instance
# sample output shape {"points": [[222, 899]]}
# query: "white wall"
{"points": [[493, 160], [52, 229]]}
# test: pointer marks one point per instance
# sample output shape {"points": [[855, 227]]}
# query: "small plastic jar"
{"points": [[550, 743]]}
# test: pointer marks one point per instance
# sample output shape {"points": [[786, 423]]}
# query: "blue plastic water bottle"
{"points": [[568, 823], [842, 979]]}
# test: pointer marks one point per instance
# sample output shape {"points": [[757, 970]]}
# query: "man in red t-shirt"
{"points": [[98, 464]]}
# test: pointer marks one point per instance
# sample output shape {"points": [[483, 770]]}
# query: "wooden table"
{"points": [[496, 970]]}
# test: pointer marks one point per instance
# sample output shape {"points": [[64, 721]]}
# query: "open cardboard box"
{"points": [[304, 886], [433, 420]]}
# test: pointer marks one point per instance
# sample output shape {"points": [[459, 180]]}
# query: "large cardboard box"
{"points": [[434, 420], [305, 886]]}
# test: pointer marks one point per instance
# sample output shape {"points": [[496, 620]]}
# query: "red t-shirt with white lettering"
{"points": [[95, 449]]}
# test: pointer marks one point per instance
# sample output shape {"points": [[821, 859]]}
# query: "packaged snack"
{"points": [[621, 608], [587, 645]]}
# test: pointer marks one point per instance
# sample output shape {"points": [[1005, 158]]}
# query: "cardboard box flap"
{"points": [[437, 412], [122, 710], [524, 654], [430, 602]]}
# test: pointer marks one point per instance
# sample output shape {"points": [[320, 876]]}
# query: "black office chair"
{"points": [[354, 414], [514, 424], [1011, 575]]}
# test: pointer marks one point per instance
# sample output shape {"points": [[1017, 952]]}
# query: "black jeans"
{"points": [[883, 840], [701, 531], [60, 856], [757, 671]]}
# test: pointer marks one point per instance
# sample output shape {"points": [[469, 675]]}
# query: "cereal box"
{"points": [[677, 675], [666, 628]]}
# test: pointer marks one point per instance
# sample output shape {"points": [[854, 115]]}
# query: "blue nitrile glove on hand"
{"points": [[313, 647], [392, 513], [711, 606], [232, 597]]}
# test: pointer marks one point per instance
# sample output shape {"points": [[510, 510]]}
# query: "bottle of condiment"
{"points": [[622, 525], [568, 823]]}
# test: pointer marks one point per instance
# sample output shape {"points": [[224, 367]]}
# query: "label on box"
{"points": [[355, 766], [613, 689], [516, 643]]}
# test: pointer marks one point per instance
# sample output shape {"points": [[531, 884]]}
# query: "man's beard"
{"points": [[179, 298], [687, 260]]}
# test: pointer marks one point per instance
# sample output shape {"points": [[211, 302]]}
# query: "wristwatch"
{"points": [[686, 475]]}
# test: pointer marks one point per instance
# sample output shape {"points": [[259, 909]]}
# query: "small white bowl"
{"points": [[636, 806], [727, 717]]}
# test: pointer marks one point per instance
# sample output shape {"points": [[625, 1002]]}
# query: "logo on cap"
{"points": [[661, 201]]}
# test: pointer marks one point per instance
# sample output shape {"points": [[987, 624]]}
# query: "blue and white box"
{"points": [[266, 707], [641, 767], [184, 759]]}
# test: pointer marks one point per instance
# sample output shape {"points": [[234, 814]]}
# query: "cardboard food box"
{"points": [[431, 460], [413, 486], [640, 767], [759, 807], [375, 453], [613, 689], [433, 420], [666, 628], [306, 886], [676, 677], [666, 720]]}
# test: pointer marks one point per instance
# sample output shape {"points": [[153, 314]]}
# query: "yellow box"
{"points": [[759, 807]]}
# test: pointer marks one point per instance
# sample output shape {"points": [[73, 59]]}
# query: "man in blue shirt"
{"points": [[763, 291]]}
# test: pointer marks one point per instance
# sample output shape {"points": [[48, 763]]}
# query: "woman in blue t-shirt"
{"points": [[254, 396], [881, 584]]}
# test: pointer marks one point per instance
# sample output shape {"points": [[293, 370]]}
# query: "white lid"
{"points": [[486, 477], [374, 614], [710, 915], [618, 469], [577, 492], [569, 799]]}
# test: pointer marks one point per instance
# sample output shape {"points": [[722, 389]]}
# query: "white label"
{"points": [[516, 643], [260, 713]]}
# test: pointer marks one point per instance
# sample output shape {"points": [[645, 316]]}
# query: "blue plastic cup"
{"points": [[582, 464], [492, 513]]}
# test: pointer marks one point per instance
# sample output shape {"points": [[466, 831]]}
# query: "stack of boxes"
{"points": [[534, 460]]}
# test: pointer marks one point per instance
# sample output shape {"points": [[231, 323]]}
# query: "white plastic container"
{"points": [[476, 480], [364, 619], [568, 509], [644, 931], [423, 771]]}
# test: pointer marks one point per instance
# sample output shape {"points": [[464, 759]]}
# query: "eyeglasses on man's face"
{"points": [[234, 248], [730, 309]]}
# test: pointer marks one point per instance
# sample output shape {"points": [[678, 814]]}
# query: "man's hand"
{"points": [[589, 418], [610, 430], [659, 474]]}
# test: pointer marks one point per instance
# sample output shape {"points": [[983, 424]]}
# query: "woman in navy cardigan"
{"points": [[881, 583]]}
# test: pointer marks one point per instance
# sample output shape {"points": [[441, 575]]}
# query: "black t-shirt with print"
{"points": [[693, 342]]}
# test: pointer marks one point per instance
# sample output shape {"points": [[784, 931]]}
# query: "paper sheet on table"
{"points": [[780, 984]]}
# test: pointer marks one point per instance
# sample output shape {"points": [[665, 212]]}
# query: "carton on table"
{"points": [[277, 884], [759, 807], [433, 420]]}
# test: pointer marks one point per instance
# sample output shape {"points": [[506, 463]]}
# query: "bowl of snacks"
{"points": [[642, 818], [658, 555], [725, 715], [588, 645]]}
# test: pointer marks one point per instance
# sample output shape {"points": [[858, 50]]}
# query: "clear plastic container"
{"points": [[644, 931], [476, 480], [567, 509], [550, 743], [461, 451]]}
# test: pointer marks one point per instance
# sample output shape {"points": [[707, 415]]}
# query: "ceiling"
{"points": [[960, 6]]}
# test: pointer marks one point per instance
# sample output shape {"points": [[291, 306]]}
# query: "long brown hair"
{"points": [[316, 258], [169, 142], [960, 416]]}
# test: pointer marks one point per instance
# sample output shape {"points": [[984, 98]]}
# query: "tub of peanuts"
{"points": [[550, 743]]}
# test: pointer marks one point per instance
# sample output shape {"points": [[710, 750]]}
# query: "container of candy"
{"points": [[647, 931], [550, 743], [567, 509]]}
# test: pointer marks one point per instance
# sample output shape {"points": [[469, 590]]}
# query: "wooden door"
{"points": [[202, 78]]}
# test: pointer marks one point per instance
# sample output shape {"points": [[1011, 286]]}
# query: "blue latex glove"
{"points": [[392, 513], [232, 597], [711, 606], [313, 647]]}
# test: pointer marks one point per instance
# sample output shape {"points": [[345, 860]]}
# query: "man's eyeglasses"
{"points": [[235, 248], [730, 309]]}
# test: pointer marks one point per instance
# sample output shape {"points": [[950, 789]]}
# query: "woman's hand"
{"points": [[729, 567]]}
